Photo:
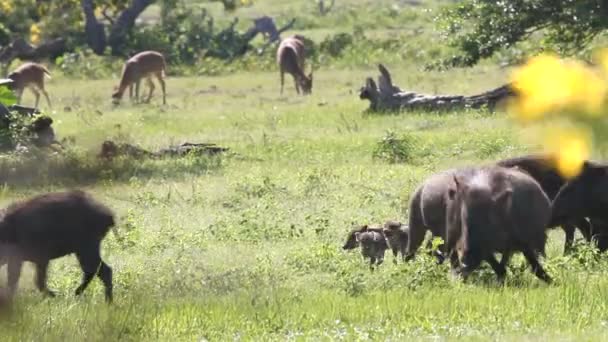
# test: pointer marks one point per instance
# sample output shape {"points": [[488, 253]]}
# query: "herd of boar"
{"points": [[477, 211], [501, 208]]}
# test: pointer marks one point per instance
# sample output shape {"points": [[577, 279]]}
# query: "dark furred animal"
{"points": [[427, 211], [427, 205], [351, 238], [53, 225], [585, 196], [496, 210], [396, 238], [373, 246], [542, 168], [290, 58]]}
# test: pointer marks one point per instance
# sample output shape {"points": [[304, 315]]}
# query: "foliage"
{"points": [[394, 149], [86, 64], [7, 96], [14, 131], [335, 44], [480, 28]]}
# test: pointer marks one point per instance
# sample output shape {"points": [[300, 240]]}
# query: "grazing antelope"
{"points": [[290, 57], [143, 65], [30, 75]]}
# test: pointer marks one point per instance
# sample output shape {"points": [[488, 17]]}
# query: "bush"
{"points": [[334, 45], [394, 149]]}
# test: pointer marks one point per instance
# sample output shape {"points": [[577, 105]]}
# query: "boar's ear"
{"points": [[357, 234], [364, 228], [503, 196]]}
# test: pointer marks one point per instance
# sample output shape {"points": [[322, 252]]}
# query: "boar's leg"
{"points": [[498, 268], [569, 230], [395, 255], [41, 276], [416, 226], [585, 228], [91, 265], [537, 269], [14, 273]]}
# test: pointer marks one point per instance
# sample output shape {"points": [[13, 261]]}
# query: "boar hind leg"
{"points": [[498, 268], [537, 269], [91, 264], [395, 255], [41, 276], [569, 230], [14, 273]]}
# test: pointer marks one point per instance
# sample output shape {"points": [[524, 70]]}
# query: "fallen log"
{"points": [[110, 150], [387, 97]]}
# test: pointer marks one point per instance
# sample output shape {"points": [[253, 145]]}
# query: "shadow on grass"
{"points": [[80, 168]]}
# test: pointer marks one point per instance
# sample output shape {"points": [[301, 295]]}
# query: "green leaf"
{"points": [[7, 97]]}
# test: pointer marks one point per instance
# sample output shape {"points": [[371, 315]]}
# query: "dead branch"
{"points": [[387, 97]]}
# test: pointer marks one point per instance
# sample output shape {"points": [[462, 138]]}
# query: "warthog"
{"points": [[372, 242], [396, 238], [585, 196], [427, 211], [53, 225], [496, 209], [427, 206], [544, 170]]}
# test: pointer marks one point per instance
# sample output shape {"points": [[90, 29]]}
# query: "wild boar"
{"points": [[372, 242], [53, 225], [544, 170], [396, 235], [373, 246], [427, 211], [496, 210], [585, 196]]}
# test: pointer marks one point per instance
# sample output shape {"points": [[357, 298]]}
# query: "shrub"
{"points": [[394, 149], [335, 44]]}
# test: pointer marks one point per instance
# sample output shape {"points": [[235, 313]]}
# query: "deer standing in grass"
{"points": [[30, 75], [145, 64], [290, 57]]}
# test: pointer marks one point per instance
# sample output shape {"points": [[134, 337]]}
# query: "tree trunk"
{"points": [[387, 97], [124, 23], [94, 30]]}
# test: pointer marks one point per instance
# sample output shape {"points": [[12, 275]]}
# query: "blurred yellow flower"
{"points": [[570, 147], [7, 6], [35, 34], [600, 57], [547, 84]]}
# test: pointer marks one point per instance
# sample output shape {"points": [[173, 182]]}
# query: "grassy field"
{"points": [[247, 246]]}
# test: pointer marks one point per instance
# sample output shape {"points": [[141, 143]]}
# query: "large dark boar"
{"points": [[50, 226], [585, 196], [496, 210], [543, 169], [427, 211]]}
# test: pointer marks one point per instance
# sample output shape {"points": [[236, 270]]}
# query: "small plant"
{"points": [[394, 149], [335, 44]]}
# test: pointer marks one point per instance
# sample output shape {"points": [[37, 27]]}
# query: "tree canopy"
{"points": [[480, 28]]}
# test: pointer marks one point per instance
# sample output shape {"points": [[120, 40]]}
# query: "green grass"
{"points": [[248, 246]]}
